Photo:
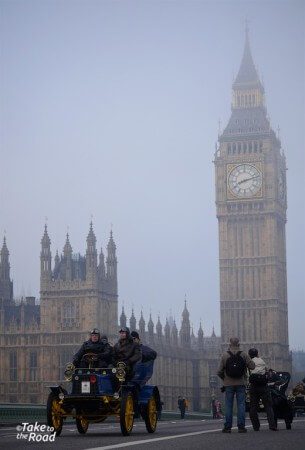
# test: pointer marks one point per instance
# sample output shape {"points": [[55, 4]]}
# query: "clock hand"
{"points": [[247, 179]]}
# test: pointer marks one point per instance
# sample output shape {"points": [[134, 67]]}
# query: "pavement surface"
{"points": [[175, 434]]}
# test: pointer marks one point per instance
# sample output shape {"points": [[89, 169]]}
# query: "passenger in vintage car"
{"points": [[126, 350]]}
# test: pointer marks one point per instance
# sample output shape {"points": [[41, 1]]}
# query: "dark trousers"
{"points": [[263, 393], [182, 412]]}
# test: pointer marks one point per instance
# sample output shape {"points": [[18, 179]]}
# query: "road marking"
{"points": [[166, 438], [147, 441]]}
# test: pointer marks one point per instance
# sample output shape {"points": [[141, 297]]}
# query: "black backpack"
{"points": [[235, 365]]}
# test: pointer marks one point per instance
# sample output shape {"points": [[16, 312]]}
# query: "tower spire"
{"points": [[4, 262], [45, 259], [111, 264], [247, 74], [91, 255]]}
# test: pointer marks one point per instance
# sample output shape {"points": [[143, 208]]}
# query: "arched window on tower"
{"points": [[68, 317]]}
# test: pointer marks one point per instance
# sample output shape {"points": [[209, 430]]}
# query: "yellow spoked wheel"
{"points": [[127, 413], [151, 415], [54, 415], [82, 425]]}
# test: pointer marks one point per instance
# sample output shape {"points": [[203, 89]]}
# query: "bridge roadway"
{"points": [[175, 434]]}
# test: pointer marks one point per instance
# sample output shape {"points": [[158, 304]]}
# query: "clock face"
{"points": [[245, 181]]}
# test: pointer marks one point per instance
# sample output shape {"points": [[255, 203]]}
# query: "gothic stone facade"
{"points": [[251, 210], [78, 294]]}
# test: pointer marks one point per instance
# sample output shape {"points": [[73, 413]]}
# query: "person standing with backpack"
{"points": [[233, 371]]}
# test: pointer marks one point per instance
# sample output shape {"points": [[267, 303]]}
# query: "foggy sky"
{"points": [[111, 109]]}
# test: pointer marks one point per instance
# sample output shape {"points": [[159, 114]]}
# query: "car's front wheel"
{"points": [[82, 425], [127, 413], [54, 414]]}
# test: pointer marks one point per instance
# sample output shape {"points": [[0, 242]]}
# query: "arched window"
{"points": [[68, 313]]}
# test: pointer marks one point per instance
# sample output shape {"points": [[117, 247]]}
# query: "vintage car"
{"points": [[97, 393]]}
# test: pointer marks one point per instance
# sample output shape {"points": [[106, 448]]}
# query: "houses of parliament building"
{"points": [[78, 293]]}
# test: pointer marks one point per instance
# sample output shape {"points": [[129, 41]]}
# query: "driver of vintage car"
{"points": [[97, 345]]}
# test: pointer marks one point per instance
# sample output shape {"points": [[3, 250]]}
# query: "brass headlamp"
{"points": [[69, 370]]}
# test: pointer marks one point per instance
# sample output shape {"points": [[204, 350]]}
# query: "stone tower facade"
{"points": [[251, 210], [78, 293]]}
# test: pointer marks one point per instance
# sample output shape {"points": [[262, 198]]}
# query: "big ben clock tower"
{"points": [[251, 211]]}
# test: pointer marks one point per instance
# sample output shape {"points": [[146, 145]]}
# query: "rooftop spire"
{"points": [[4, 250], [91, 239], [247, 74], [67, 247], [45, 241]]}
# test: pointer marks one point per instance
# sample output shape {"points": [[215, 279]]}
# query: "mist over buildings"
{"points": [[111, 110]]}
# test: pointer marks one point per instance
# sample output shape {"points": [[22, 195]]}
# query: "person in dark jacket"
{"points": [[126, 350], [148, 354], [98, 345], [182, 406]]}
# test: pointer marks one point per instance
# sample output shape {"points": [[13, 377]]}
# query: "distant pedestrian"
{"points": [[213, 407], [232, 370], [181, 406], [218, 409], [259, 390]]}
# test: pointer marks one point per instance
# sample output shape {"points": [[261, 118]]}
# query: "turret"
{"points": [[132, 321], [142, 327], [91, 255], [67, 251], [174, 334], [159, 329], [111, 264], [4, 262], [150, 327], [167, 332], [6, 285], [45, 260], [123, 318], [101, 266], [200, 337], [213, 333], [185, 330], [56, 260]]}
